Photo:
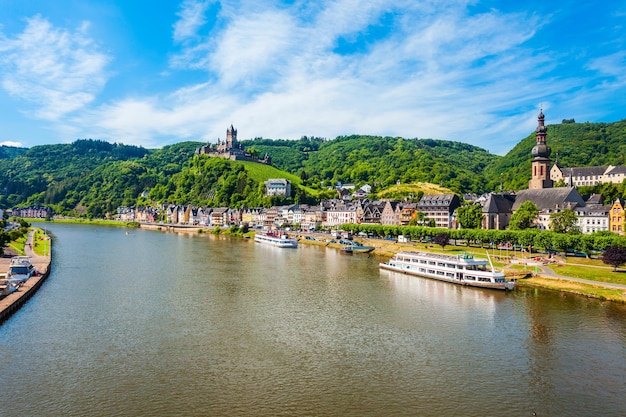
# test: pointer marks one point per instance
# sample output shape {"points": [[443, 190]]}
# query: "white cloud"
{"points": [[11, 143], [191, 19], [275, 71], [277, 75], [54, 70]]}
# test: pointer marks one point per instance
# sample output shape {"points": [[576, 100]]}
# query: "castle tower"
{"points": [[541, 157], [231, 137]]}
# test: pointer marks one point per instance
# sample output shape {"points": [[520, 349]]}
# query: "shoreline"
{"points": [[541, 279], [386, 249], [14, 301], [546, 278]]}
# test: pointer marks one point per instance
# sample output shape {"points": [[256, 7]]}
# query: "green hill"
{"points": [[381, 161], [575, 145], [217, 182], [93, 177], [10, 152]]}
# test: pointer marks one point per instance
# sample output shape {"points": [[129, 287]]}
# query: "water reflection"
{"points": [[162, 324]]}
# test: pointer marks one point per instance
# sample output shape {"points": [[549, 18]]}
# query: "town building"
{"points": [[439, 208], [497, 210], [616, 217], [548, 201], [588, 176], [278, 187], [34, 212], [593, 218]]}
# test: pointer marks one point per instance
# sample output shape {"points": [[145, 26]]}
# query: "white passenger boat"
{"points": [[356, 247], [461, 269], [20, 269], [280, 240], [7, 287]]}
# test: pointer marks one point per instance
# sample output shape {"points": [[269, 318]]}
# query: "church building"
{"points": [[540, 187]]}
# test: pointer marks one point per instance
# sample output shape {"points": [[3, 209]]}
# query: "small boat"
{"points": [[7, 287], [461, 269], [357, 248], [20, 269], [280, 240]]}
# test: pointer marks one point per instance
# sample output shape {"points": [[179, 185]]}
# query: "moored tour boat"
{"points": [[20, 269], [280, 240], [356, 247], [461, 269]]}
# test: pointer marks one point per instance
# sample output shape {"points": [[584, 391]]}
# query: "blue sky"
{"points": [[153, 73]]}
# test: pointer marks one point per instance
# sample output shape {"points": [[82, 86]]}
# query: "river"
{"points": [[148, 323]]}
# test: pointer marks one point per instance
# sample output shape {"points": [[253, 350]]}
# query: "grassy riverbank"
{"points": [[588, 269], [587, 290], [526, 275], [95, 222]]}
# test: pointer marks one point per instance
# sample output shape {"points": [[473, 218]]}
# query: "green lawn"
{"points": [[266, 172], [593, 273], [41, 243], [590, 269]]}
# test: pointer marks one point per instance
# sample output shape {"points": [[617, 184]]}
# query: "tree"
{"points": [[560, 242], [4, 240], [442, 239], [525, 215], [470, 216], [615, 256], [564, 221]]}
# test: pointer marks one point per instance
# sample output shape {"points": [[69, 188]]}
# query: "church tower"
{"points": [[231, 137], [541, 158]]}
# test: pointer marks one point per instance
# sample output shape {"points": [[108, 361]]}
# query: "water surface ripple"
{"points": [[160, 324]]}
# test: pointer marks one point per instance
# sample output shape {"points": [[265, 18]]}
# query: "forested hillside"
{"points": [[93, 177], [216, 182], [381, 161], [10, 152], [575, 145], [61, 176]]}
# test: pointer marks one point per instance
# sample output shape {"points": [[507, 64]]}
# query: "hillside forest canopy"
{"points": [[93, 177]]}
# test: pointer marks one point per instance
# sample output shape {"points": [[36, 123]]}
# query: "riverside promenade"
{"points": [[12, 302]]}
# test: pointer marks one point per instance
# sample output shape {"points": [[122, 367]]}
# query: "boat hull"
{"points": [[486, 279], [357, 249], [279, 242]]}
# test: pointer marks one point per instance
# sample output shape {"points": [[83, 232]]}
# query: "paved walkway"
{"points": [[549, 273], [41, 263]]}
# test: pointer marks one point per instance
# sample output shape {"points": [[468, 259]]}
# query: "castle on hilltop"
{"points": [[230, 149]]}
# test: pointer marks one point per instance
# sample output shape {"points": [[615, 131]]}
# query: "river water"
{"points": [[147, 323]]}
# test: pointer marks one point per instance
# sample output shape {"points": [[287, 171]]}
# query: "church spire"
{"points": [[541, 156]]}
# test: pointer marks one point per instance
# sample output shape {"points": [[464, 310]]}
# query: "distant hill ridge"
{"points": [[93, 176]]}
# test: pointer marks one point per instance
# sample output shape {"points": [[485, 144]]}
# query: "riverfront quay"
{"points": [[531, 275], [525, 272], [12, 302]]}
